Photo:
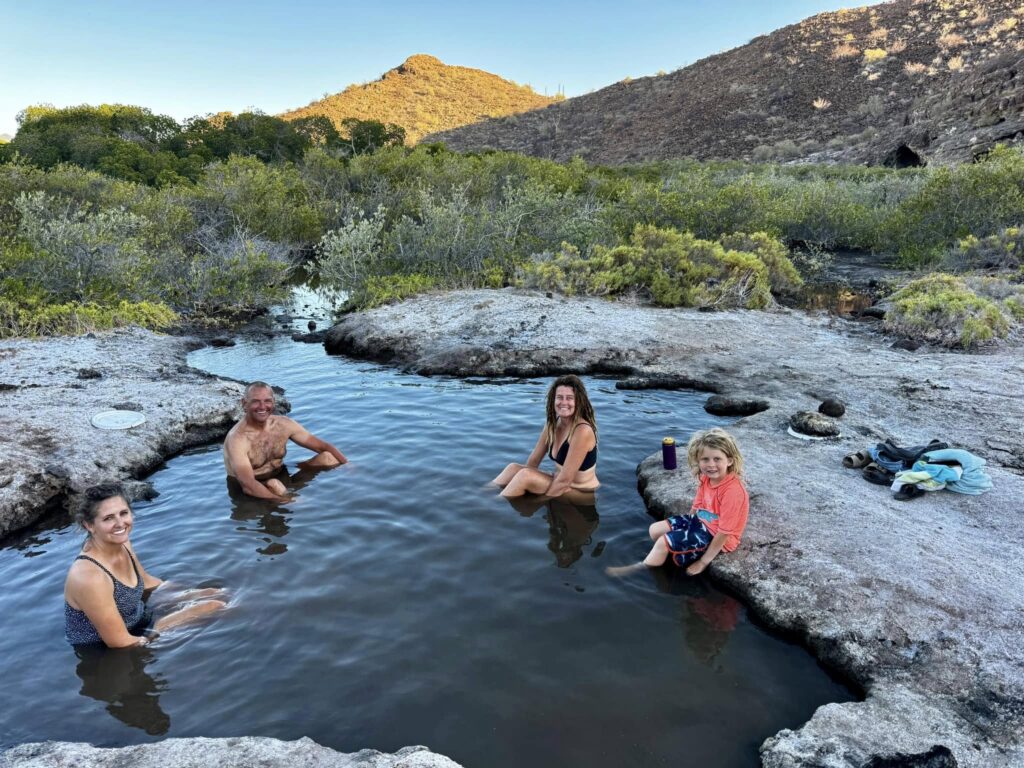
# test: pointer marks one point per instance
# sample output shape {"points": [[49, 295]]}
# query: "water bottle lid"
{"points": [[669, 441]]}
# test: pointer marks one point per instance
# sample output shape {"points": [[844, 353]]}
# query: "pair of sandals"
{"points": [[870, 470]]}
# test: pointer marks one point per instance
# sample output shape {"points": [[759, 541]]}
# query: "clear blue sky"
{"points": [[187, 57]]}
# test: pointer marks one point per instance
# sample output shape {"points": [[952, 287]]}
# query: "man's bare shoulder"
{"points": [[283, 424], [237, 433]]}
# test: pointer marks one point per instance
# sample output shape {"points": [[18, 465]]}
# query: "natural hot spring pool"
{"points": [[398, 601]]}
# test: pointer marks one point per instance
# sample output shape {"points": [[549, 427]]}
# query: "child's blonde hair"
{"points": [[717, 439]]}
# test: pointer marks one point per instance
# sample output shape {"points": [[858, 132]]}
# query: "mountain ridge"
{"points": [[900, 83], [424, 95]]}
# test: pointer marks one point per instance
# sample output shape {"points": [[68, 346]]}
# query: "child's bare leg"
{"points": [[657, 556], [527, 480], [659, 529], [507, 474], [187, 615]]}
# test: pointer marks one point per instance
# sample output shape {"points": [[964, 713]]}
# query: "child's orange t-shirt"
{"points": [[723, 508]]}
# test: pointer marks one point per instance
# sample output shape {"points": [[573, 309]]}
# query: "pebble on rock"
{"points": [[832, 407]]}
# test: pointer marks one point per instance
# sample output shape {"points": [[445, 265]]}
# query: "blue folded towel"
{"points": [[973, 481]]}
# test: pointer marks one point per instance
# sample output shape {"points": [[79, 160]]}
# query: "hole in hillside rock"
{"points": [[903, 157]]}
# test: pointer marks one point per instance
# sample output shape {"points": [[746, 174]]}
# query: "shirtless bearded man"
{"points": [[255, 447]]}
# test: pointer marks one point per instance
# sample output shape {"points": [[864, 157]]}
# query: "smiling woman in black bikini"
{"points": [[569, 438]]}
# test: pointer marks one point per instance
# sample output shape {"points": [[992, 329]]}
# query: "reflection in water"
{"points": [[118, 678], [572, 520], [708, 616], [268, 515]]}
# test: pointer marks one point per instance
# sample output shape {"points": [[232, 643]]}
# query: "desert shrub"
{"points": [[980, 199], [270, 201], [943, 309], [66, 253], [670, 268], [74, 318], [386, 289], [1002, 250], [81, 256], [346, 256], [872, 55]]}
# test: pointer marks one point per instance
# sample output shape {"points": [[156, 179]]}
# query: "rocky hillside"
{"points": [[424, 95], [901, 83]]}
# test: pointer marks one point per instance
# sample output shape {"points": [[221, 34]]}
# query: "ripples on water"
{"points": [[399, 601]]}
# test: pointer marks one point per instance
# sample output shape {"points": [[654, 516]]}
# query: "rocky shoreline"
{"points": [[920, 604], [242, 752]]}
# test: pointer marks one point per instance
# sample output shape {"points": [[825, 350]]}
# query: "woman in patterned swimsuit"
{"points": [[569, 438], [96, 613]]}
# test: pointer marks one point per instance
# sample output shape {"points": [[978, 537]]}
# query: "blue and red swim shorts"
{"points": [[687, 539]]}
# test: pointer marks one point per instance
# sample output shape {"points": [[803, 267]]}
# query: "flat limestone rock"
{"points": [[880, 590], [52, 449], [239, 752]]}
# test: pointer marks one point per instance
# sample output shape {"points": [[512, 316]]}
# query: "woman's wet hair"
{"points": [[95, 495], [584, 410], [717, 439]]}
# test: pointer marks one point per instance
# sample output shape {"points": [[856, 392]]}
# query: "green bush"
{"points": [[670, 268], [979, 199], [943, 309], [1002, 250], [75, 318], [386, 289]]}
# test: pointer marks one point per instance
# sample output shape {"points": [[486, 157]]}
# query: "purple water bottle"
{"points": [[668, 453]]}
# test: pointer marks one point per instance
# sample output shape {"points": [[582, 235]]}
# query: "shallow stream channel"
{"points": [[399, 600]]}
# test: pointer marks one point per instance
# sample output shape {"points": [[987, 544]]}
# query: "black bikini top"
{"points": [[589, 461]]}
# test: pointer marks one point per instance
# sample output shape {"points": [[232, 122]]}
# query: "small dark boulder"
{"points": [[832, 407], [936, 757], [311, 325], [908, 345], [814, 424], [222, 341], [310, 338], [89, 373], [723, 405], [874, 312]]}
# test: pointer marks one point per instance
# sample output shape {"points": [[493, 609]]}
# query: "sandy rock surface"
{"points": [[919, 603], [242, 752], [50, 389]]}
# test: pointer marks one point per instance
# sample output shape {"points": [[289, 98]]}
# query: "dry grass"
{"points": [[878, 36], [951, 40], [845, 51], [955, 64], [914, 67], [820, 103], [899, 45], [1006, 25]]}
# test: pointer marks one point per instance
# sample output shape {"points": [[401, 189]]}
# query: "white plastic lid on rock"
{"points": [[118, 419]]}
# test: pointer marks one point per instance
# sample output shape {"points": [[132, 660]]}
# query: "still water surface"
{"points": [[399, 601]]}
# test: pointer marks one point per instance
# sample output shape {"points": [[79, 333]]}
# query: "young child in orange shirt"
{"points": [[718, 514]]}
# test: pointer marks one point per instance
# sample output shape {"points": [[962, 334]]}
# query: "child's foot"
{"points": [[624, 570]]}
